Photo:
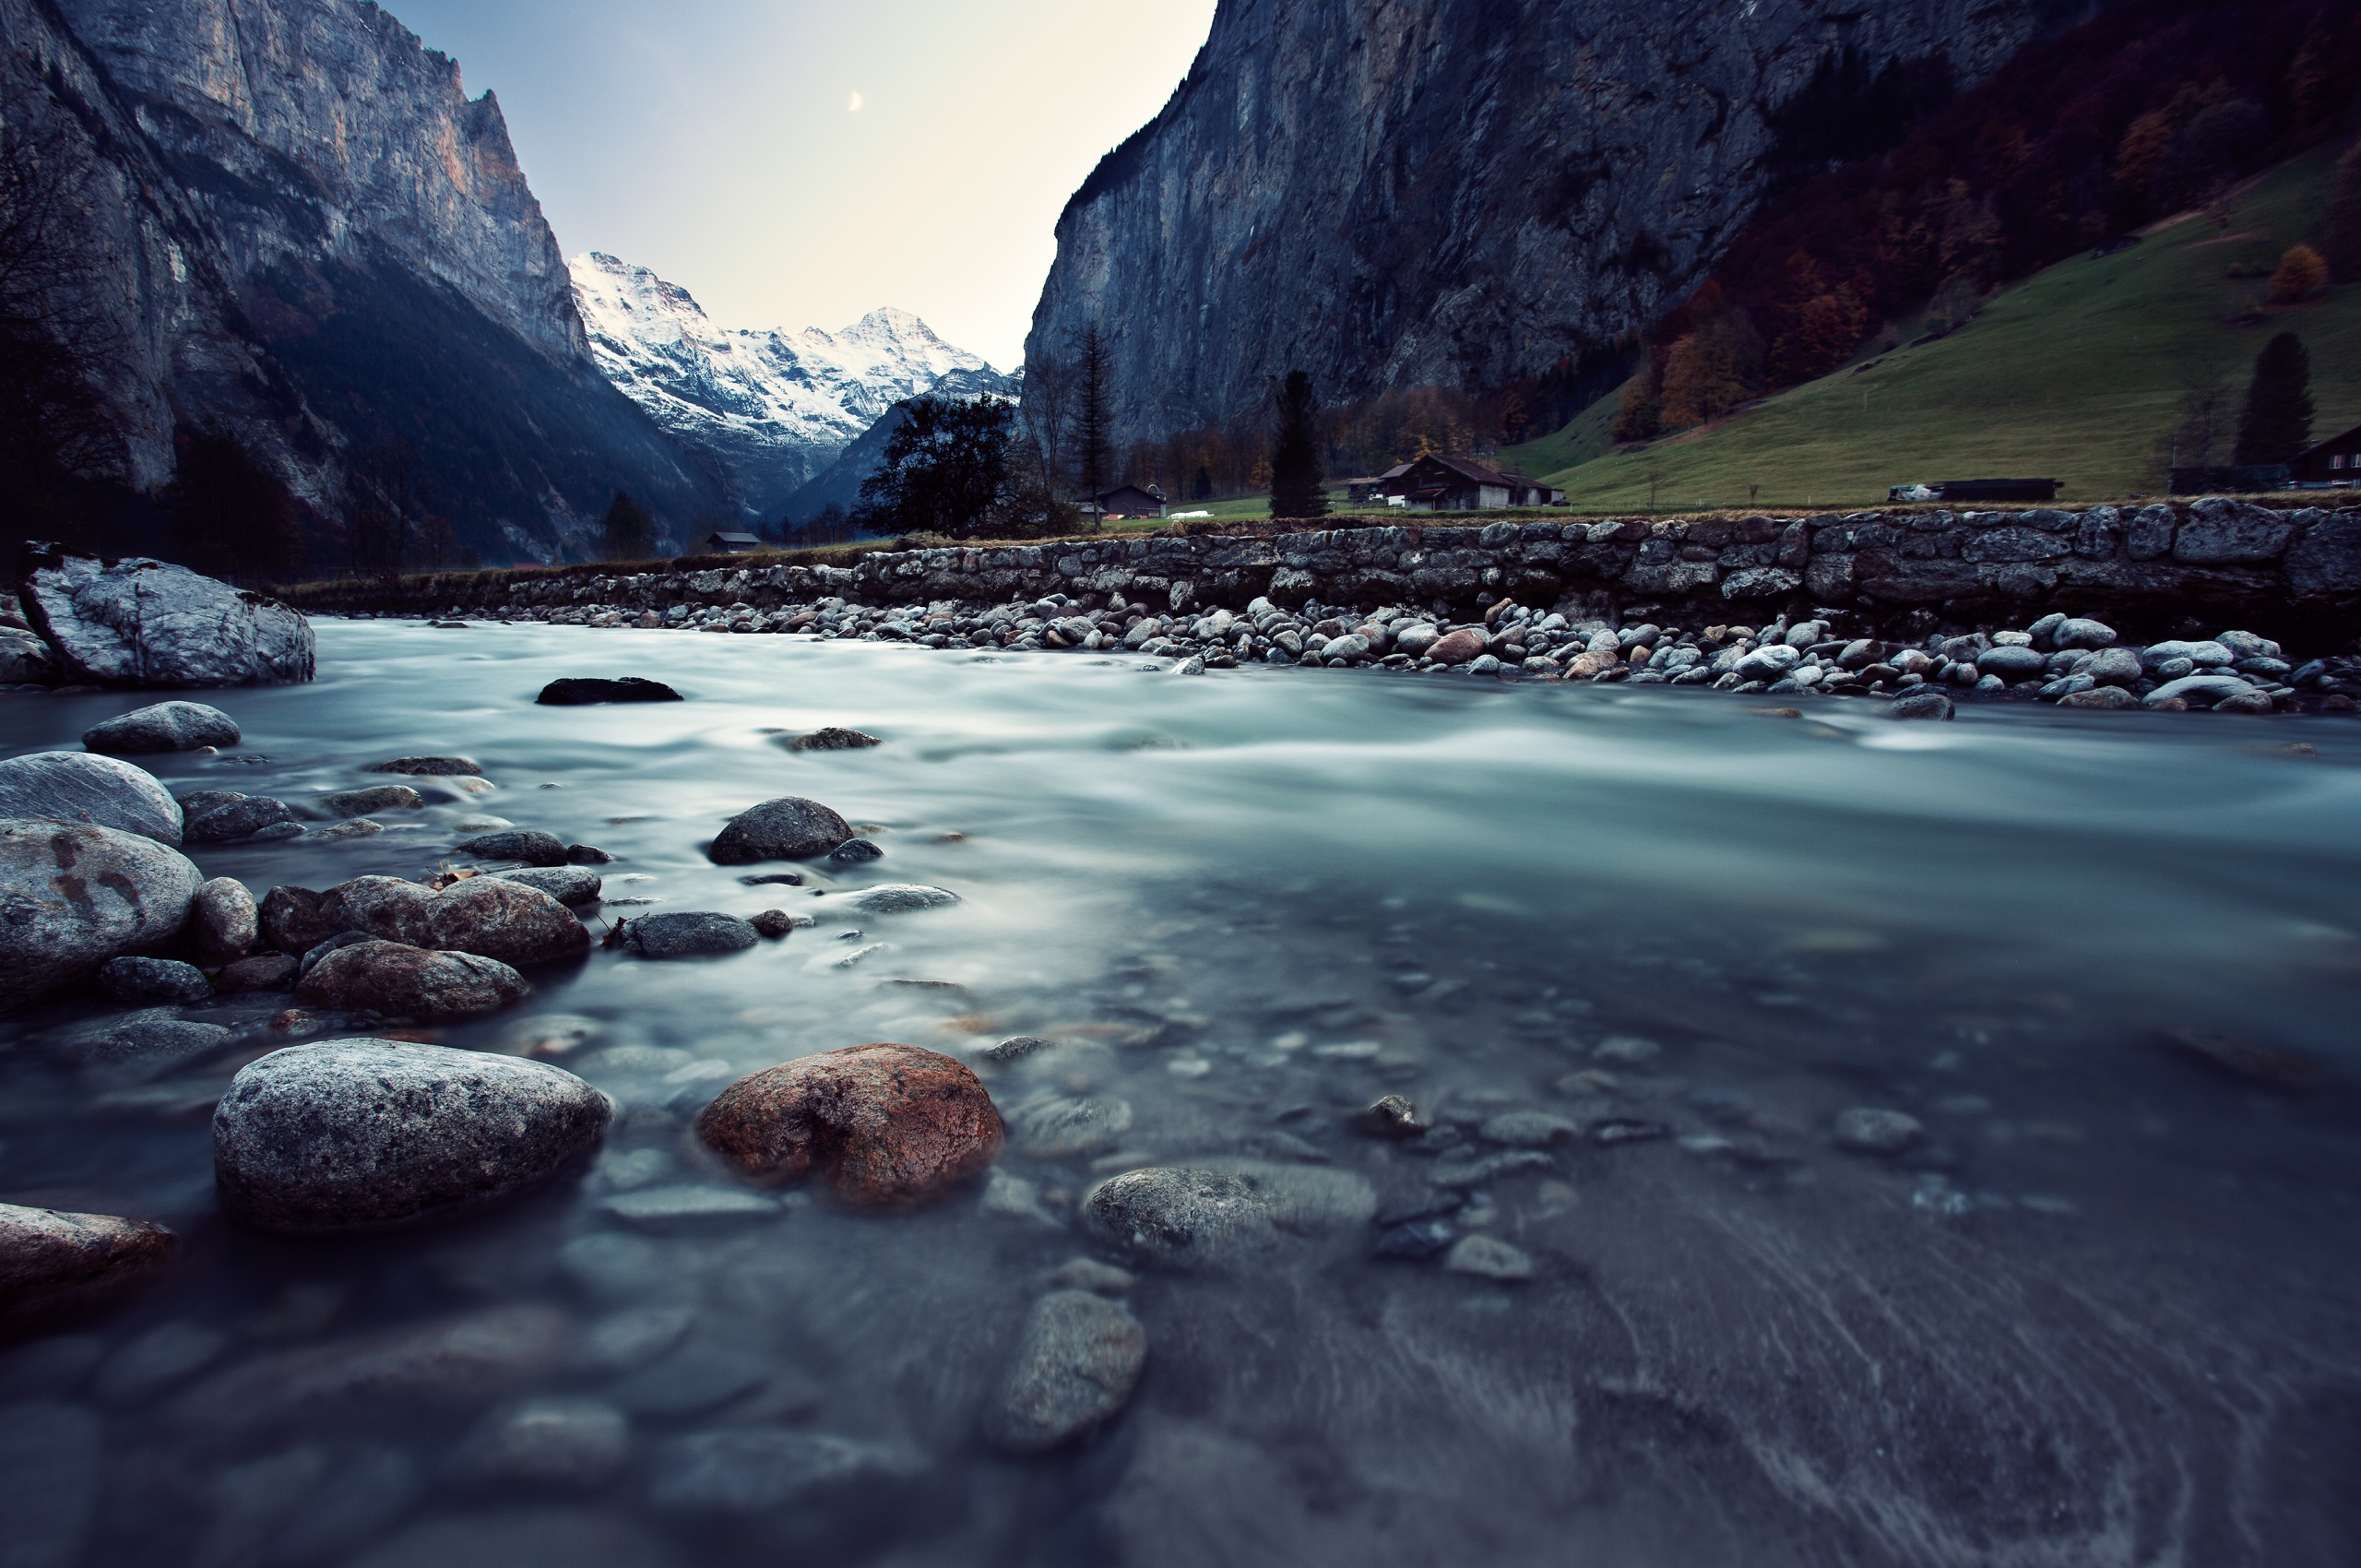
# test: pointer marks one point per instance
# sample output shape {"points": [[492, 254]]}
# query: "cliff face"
{"points": [[300, 228], [1396, 192]]}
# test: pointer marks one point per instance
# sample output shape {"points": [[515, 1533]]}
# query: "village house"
{"points": [[719, 543], [2336, 460], [1127, 502], [1456, 484]]}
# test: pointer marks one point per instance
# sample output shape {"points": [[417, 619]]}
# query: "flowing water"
{"points": [[2104, 1312]]}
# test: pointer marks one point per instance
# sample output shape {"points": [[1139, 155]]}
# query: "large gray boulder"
{"points": [[355, 1135], [79, 786], [789, 828], [75, 894], [487, 916], [141, 622], [173, 726]]}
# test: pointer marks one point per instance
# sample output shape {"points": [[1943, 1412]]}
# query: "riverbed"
{"points": [[2102, 1309]]}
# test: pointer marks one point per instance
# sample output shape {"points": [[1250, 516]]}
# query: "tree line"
{"points": [[2142, 112]]}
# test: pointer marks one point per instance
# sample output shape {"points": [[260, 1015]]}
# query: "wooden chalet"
{"points": [[1457, 484], [730, 543], [1129, 502], [2336, 460]]}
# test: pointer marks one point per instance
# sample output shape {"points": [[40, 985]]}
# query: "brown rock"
{"points": [[389, 978], [1457, 647], [291, 920], [52, 1263], [507, 920], [894, 1126]]}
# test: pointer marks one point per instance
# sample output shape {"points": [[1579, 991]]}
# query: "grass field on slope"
{"points": [[2073, 374]]}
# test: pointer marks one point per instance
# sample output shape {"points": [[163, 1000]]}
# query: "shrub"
{"points": [[2302, 273]]}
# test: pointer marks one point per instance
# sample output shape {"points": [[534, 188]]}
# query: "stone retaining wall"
{"points": [[2294, 574]]}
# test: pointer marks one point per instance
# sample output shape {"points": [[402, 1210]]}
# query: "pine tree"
{"points": [[1094, 419], [2277, 421], [1295, 453], [628, 533]]}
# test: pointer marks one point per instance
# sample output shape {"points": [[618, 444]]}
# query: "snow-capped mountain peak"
{"points": [[770, 408]]}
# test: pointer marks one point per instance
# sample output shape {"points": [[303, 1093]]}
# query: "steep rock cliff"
{"points": [[298, 226], [1396, 193]]}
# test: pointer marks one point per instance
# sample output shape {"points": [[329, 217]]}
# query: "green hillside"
{"points": [[2074, 373]]}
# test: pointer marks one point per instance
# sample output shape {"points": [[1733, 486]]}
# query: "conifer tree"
{"points": [[628, 533], [2277, 423], [1295, 453], [1093, 418]]}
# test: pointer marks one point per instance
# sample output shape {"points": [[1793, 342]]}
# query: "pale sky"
{"points": [[801, 163]]}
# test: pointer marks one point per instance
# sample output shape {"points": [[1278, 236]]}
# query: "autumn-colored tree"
{"points": [[2302, 273], [1639, 412], [1710, 371], [1826, 331]]}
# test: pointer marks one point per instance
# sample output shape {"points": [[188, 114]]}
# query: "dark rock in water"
{"points": [[751, 1471], [222, 921], [1015, 1049], [586, 855], [698, 933], [141, 622], [1178, 1217], [430, 767], [292, 920], [361, 1133], [164, 726], [496, 918], [142, 1046], [2248, 1060], [1867, 1130], [1921, 705], [891, 1126], [376, 798], [402, 981], [267, 971], [81, 787], [456, 1364], [579, 691], [568, 1445], [73, 896], [143, 982], [1077, 1366], [392, 908], [530, 846], [830, 740], [1488, 1258], [1627, 1130], [223, 816], [789, 828], [900, 899], [772, 923], [774, 879], [1392, 1117], [853, 851], [53, 1265], [1415, 1238], [567, 884]]}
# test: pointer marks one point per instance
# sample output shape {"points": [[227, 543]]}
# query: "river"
{"points": [[2104, 1310]]}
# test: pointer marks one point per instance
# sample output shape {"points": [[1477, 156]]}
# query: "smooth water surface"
{"points": [[2105, 1312]]}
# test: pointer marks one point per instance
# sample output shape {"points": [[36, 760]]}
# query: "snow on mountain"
{"points": [[767, 410]]}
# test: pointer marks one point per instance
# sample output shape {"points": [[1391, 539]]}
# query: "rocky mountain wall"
{"points": [[1457, 193], [293, 225]]}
